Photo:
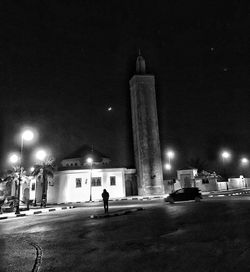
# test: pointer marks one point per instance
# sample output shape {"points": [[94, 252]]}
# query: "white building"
{"points": [[74, 185], [78, 181]]}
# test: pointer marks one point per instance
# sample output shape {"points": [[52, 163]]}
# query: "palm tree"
{"points": [[44, 171], [11, 177], [197, 163]]}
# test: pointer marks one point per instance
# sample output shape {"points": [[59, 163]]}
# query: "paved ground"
{"points": [[213, 235], [7, 213], [55, 207]]}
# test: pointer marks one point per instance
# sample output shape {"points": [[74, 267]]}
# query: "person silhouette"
{"points": [[105, 197]]}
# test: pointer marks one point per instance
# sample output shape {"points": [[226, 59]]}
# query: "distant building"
{"points": [[210, 181], [78, 181]]}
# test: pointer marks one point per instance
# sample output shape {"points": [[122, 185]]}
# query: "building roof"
{"points": [[86, 151]]}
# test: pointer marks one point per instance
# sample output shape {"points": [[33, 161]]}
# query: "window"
{"points": [[205, 181], [33, 186], [96, 181], [78, 182], [112, 181]]}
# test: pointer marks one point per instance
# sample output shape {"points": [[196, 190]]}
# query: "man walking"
{"points": [[105, 197]]}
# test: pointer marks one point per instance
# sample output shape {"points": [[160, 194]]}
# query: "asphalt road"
{"points": [[213, 235]]}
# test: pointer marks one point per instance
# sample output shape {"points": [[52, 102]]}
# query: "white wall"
{"points": [[186, 177], [236, 183], [64, 186]]}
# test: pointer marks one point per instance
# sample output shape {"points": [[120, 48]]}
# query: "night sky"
{"points": [[64, 63]]}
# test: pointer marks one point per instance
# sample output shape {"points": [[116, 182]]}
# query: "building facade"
{"points": [[81, 185]]}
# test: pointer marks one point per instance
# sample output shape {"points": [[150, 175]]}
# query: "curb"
{"points": [[35, 212], [230, 194], [142, 198], [93, 216]]}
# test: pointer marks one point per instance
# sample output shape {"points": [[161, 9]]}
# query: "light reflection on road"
{"points": [[177, 209]]}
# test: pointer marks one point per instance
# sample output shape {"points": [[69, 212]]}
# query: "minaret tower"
{"points": [[145, 131]]}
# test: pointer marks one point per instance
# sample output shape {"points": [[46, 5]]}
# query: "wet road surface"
{"points": [[213, 235]]}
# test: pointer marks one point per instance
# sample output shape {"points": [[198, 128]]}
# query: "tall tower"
{"points": [[145, 131]]}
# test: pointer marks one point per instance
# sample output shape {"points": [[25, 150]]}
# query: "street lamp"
{"points": [[244, 163], [90, 162], [225, 157], [168, 166], [170, 155], [14, 158], [41, 156], [26, 135]]}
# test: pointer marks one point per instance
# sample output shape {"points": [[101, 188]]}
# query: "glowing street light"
{"points": [[41, 155], [168, 166], [244, 161], [90, 162], [170, 154], [27, 135], [14, 158], [225, 157]]}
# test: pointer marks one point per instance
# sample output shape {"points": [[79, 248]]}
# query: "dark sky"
{"points": [[63, 63]]}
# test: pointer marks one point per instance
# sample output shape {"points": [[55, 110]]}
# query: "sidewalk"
{"points": [[142, 198], [230, 192], [34, 210], [70, 205]]}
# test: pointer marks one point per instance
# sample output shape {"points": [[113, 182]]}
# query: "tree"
{"points": [[197, 163], [44, 171], [10, 177]]}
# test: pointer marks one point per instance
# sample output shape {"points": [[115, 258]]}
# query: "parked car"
{"points": [[185, 194]]}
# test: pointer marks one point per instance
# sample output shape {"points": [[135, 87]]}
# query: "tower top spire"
{"points": [[140, 64]]}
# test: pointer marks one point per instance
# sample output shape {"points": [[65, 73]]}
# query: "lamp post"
{"points": [[90, 162], [26, 135], [41, 155], [170, 155], [244, 163], [168, 167], [225, 156]]}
